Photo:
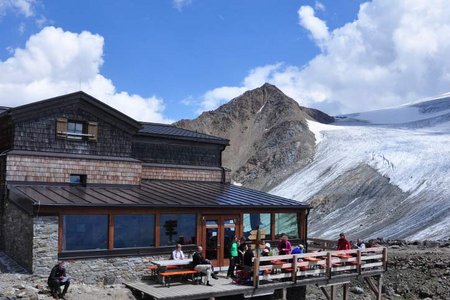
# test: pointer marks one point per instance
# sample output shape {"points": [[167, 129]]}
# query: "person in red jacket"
{"points": [[343, 243]]}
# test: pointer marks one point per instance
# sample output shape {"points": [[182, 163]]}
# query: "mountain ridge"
{"points": [[381, 173], [267, 130]]}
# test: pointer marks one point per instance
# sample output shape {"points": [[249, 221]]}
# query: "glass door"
{"points": [[218, 235]]}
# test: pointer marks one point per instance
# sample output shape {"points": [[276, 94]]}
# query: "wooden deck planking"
{"points": [[186, 290]]}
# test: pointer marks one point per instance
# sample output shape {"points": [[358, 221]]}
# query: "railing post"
{"points": [[329, 264], [256, 272], [294, 266], [385, 258], [358, 260]]}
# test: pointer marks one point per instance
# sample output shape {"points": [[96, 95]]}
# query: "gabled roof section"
{"points": [[152, 193], [173, 132], [3, 108], [28, 111]]}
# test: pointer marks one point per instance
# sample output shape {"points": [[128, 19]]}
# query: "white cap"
{"points": [[268, 245]]}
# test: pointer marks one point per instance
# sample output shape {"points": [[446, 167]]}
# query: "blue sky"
{"points": [[166, 60]]}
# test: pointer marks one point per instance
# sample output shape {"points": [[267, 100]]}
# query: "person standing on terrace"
{"points": [[343, 243], [284, 246]]}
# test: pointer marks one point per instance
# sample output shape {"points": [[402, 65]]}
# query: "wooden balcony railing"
{"points": [[324, 264]]}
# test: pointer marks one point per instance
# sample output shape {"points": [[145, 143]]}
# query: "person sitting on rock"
{"points": [[58, 278]]}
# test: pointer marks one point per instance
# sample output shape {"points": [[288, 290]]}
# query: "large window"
{"points": [[255, 221], [286, 223], [178, 229], [134, 231], [85, 232]]}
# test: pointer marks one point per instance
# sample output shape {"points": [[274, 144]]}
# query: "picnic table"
{"points": [[164, 265], [171, 262]]}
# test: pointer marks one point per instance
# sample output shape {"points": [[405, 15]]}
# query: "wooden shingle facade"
{"points": [[81, 181]]}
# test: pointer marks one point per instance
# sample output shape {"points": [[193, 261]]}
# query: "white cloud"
{"points": [[180, 4], [56, 62], [394, 52], [319, 6], [316, 26], [24, 7]]}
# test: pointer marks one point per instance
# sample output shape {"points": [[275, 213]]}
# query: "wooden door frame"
{"points": [[221, 261]]}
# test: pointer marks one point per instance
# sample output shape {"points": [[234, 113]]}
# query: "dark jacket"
{"points": [[56, 274], [198, 259], [248, 258]]}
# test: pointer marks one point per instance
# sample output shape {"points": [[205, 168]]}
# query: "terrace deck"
{"points": [[323, 269]]}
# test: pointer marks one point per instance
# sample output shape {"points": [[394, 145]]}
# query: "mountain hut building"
{"points": [[83, 182]]}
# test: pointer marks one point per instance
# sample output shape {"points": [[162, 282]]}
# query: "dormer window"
{"points": [[76, 130]]}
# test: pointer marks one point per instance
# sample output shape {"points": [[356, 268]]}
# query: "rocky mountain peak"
{"points": [[268, 133]]}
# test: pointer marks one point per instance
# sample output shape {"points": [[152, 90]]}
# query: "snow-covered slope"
{"points": [[409, 146]]}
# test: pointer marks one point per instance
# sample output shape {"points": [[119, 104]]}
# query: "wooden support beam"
{"points": [[333, 292], [380, 287], [345, 291], [324, 291], [371, 284]]}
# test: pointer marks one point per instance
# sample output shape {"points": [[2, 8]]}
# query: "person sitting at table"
{"points": [[203, 265], [360, 244], [248, 259], [343, 243], [177, 254], [269, 249], [298, 249], [284, 246]]}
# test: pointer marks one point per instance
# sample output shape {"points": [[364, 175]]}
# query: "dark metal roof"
{"points": [[170, 131], [155, 193]]}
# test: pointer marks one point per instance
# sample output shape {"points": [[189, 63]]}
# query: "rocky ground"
{"points": [[415, 271]]}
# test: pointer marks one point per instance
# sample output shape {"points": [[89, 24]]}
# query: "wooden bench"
{"points": [[168, 275]]}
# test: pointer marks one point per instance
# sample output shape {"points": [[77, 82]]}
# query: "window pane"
{"points": [[178, 228], [252, 221], [212, 223], [85, 232], [134, 231], [286, 223]]}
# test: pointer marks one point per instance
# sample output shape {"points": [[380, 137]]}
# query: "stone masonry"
{"points": [[106, 270], [57, 169], [18, 231]]}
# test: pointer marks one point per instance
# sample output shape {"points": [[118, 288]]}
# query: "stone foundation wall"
{"points": [[18, 235], [45, 244], [180, 173], [98, 270], [57, 169]]}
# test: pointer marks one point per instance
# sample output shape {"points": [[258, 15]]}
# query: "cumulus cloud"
{"points": [[55, 62], [313, 24], [180, 4], [24, 7], [394, 52]]}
